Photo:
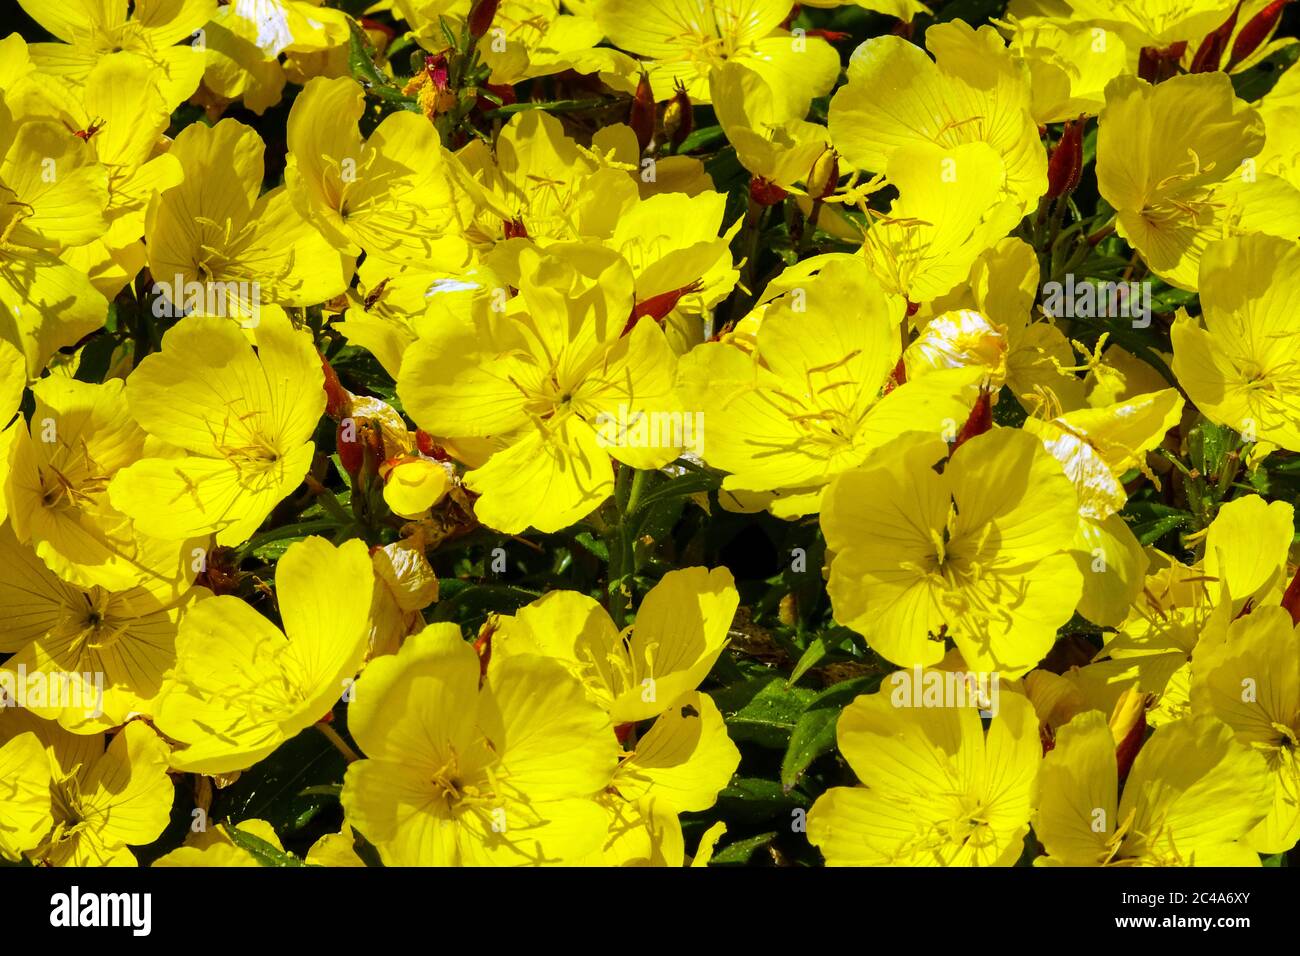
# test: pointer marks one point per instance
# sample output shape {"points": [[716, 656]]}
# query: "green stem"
{"points": [[634, 496]]}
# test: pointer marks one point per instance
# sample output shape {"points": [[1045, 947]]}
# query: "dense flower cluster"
{"points": [[649, 432]]}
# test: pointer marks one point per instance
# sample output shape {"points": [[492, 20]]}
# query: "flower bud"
{"points": [[642, 115], [765, 192], [679, 117], [337, 398], [1255, 32], [825, 174], [481, 15], [1128, 725], [1065, 165], [1156, 63], [1210, 53]]}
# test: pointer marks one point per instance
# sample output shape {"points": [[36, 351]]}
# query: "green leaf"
{"points": [[814, 732], [751, 800], [682, 486], [770, 716], [265, 853], [705, 138], [361, 64], [740, 852], [813, 735], [811, 657]]}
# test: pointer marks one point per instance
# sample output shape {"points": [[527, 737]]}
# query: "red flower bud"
{"points": [[348, 441], [1210, 53], [337, 398], [483, 647], [481, 15], [1128, 748], [642, 115], [1156, 64], [765, 192], [830, 36], [1065, 165], [679, 117], [1255, 32], [658, 306]]}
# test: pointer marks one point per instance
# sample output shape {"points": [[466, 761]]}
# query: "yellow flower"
{"points": [[391, 195], [649, 671], [122, 115], [1252, 683], [1241, 365], [972, 92], [52, 197], [240, 688], [951, 208], [93, 29], [462, 771], [1002, 286], [977, 554], [806, 403], [1182, 609], [405, 585], [1193, 793], [1069, 66], [275, 26], [1171, 160], [103, 800], [937, 789], [1096, 447], [220, 246], [414, 484], [1157, 23], [683, 40], [238, 425], [680, 629], [80, 437], [553, 378], [24, 795], [774, 147], [114, 646]]}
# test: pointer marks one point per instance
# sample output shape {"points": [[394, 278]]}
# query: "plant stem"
{"points": [[339, 743]]}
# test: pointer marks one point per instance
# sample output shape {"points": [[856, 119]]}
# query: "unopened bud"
{"points": [[679, 117], [1156, 63], [765, 192], [481, 15], [824, 175], [1065, 165], [1210, 53], [1255, 32], [337, 398], [1128, 725], [642, 116]]}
